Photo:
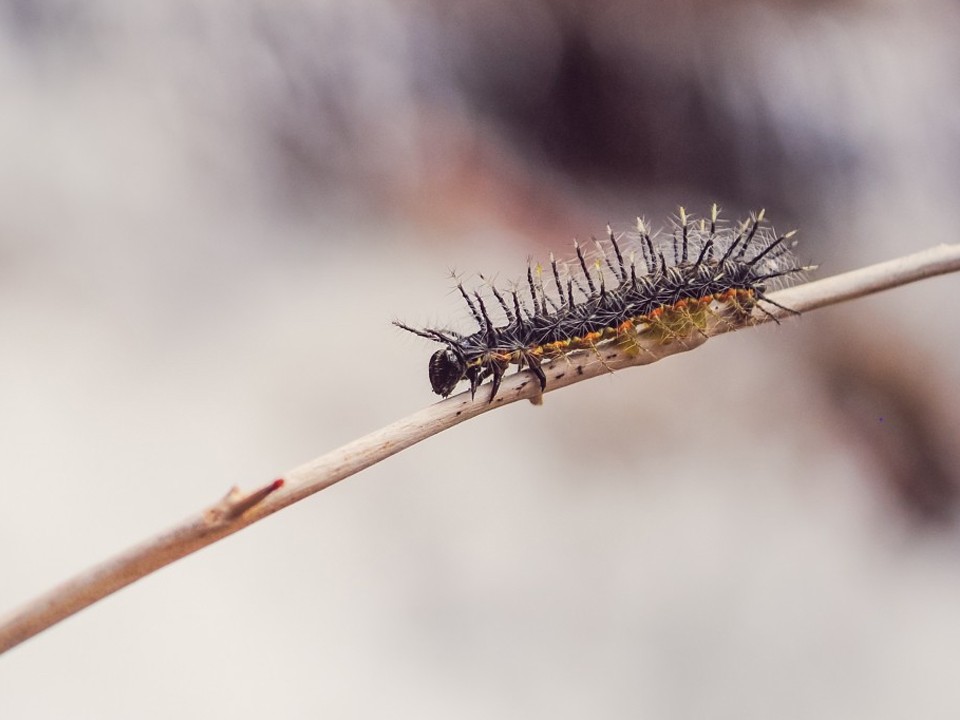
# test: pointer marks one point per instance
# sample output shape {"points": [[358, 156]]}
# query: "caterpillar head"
{"points": [[448, 366], [446, 369]]}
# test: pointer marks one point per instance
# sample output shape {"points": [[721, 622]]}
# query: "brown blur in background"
{"points": [[209, 215]]}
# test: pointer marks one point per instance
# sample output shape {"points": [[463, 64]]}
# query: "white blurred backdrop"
{"points": [[209, 215]]}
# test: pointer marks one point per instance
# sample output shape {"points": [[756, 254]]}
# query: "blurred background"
{"points": [[209, 215]]}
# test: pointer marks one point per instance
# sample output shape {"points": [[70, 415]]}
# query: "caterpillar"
{"points": [[668, 283]]}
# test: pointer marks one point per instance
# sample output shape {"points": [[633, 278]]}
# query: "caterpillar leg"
{"points": [[497, 369], [476, 375]]}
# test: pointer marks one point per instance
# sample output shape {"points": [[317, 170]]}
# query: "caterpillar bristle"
{"points": [[604, 299]]}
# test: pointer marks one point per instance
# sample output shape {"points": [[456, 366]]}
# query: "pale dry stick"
{"points": [[238, 509]]}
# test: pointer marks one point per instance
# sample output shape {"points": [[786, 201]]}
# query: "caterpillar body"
{"points": [[666, 283]]}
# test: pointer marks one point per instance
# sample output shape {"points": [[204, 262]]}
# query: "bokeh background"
{"points": [[211, 212]]}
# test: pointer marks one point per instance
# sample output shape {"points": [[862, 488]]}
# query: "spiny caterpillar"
{"points": [[668, 283]]}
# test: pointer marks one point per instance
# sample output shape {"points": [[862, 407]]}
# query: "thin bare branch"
{"points": [[238, 509]]}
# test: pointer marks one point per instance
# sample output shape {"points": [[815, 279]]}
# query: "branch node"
{"points": [[236, 502]]}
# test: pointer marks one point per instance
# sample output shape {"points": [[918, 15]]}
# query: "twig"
{"points": [[237, 509]]}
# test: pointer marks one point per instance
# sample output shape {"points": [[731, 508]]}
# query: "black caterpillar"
{"points": [[684, 274]]}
